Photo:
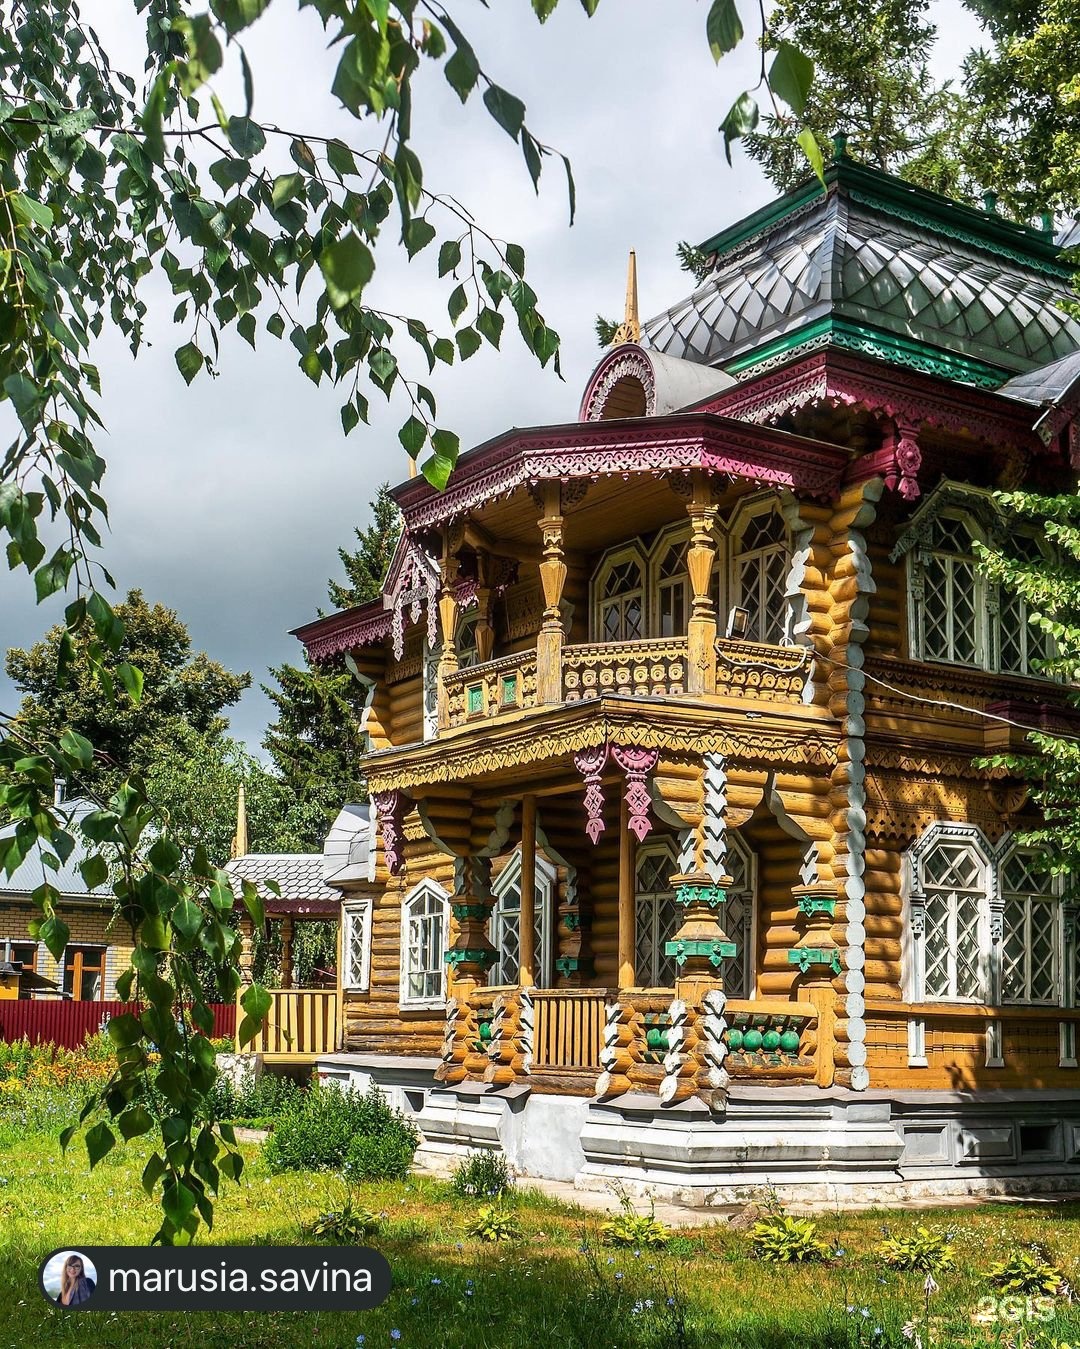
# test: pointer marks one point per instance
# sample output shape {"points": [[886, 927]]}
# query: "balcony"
{"points": [[649, 668]]}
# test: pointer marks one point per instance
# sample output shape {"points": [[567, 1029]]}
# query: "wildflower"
{"points": [[930, 1286], [611, 1259], [619, 1274], [671, 1302], [395, 1334], [468, 1292], [637, 1255], [360, 1339], [840, 1252], [648, 1302], [435, 1280], [413, 1301], [864, 1311]]}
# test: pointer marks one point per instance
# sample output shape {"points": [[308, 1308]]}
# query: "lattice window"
{"points": [[738, 918], [1031, 933], [356, 945], [424, 930], [759, 568], [657, 914], [954, 881], [465, 641], [619, 590], [506, 922], [670, 589], [952, 613], [1019, 645]]}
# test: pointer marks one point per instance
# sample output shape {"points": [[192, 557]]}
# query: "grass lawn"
{"points": [[451, 1290]]}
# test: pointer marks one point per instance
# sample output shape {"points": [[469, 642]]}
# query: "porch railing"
{"points": [[568, 1029], [655, 667], [302, 1024]]}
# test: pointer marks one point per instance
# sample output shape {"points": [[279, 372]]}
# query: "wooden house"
{"points": [[683, 867]]}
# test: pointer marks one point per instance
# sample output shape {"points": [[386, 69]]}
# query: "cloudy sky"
{"points": [[228, 499]]}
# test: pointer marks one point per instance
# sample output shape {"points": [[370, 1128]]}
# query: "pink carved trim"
{"points": [[652, 445], [623, 362], [590, 764], [340, 633], [637, 764], [390, 809]]}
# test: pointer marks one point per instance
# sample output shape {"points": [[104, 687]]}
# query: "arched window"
{"points": [[657, 913], [506, 922], [424, 932], [1031, 930], [619, 593], [760, 560], [950, 604], [952, 881], [670, 588]]}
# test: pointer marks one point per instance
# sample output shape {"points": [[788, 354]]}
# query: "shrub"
{"points": [[782, 1239], [316, 1129], [923, 1250], [251, 1099], [1030, 1271], [482, 1174], [384, 1156], [347, 1225], [495, 1222], [635, 1229]]}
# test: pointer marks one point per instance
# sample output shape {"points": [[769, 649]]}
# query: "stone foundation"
{"points": [[810, 1146]]}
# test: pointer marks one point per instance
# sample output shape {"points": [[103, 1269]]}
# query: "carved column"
{"points": [[390, 812], [247, 949], [527, 918], [485, 629], [448, 616], [701, 943], [287, 951], [817, 958], [472, 954], [549, 641], [700, 561], [627, 898]]}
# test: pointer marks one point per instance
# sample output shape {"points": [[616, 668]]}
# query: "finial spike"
{"points": [[412, 467], [630, 328], [240, 838]]}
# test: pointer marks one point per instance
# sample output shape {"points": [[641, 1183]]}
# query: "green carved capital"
{"points": [[809, 904], [714, 951], [712, 895], [806, 956], [573, 965], [463, 912], [571, 921], [470, 956]]}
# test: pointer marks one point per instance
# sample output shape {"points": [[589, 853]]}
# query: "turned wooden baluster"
{"points": [[549, 641]]}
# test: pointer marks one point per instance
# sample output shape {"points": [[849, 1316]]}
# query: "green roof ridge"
{"points": [[917, 205]]}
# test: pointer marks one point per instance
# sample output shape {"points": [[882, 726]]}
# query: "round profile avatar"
{"points": [[69, 1278]]}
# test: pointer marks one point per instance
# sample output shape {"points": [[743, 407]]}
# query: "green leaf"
{"points": [[187, 918], [29, 211], [54, 932], [741, 119], [164, 856], [449, 256], [100, 1140], [246, 137], [444, 350], [246, 328], [275, 325], [515, 259], [468, 342], [286, 187], [94, 871], [135, 1122], [347, 266], [723, 27], [229, 173], [341, 159], [457, 303], [490, 324], [125, 1030], [413, 436], [438, 468], [791, 75], [237, 14], [132, 679], [80, 749], [812, 150], [507, 110], [417, 234], [350, 418], [463, 69], [189, 361]]}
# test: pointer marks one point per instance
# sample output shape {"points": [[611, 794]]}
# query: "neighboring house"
{"points": [[683, 873], [99, 948]]}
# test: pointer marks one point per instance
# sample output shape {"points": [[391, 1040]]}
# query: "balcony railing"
{"points": [[651, 668], [775, 673], [568, 1027], [481, 691]]}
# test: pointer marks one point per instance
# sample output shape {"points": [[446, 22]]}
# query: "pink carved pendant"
{"points": [[390, 807], [637, 764], [590, 764]]}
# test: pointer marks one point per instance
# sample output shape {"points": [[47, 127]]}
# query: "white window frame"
{"points": [[917, 560], [547, 885], [356, 926], [608, 562], [654, 847], [750, 509], [425, 890], [989, 919], [1007, 850]]}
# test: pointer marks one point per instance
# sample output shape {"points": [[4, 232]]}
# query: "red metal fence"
{"points": [[48, 1021]]}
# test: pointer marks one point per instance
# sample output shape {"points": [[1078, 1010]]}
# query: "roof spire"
{"points": [[240, 838], [629, 330]]}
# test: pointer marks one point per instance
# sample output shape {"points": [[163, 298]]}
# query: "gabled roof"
{"points": [[875, 265], [1052, 388], [346, 854], [299, 877], [32, 872]]}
